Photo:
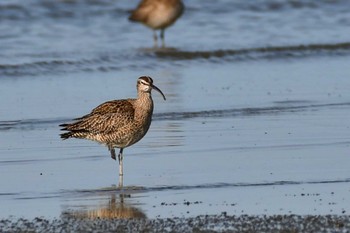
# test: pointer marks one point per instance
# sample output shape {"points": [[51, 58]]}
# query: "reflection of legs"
{"points": [[120, 159]]}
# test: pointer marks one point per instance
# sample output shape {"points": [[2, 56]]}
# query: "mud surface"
{"points": [[207, 223]]}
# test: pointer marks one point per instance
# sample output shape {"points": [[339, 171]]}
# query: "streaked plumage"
{"points": [[158, 14], [117, 123]]}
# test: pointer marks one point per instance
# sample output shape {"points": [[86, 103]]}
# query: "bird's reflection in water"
{"points": [[116, 208]]}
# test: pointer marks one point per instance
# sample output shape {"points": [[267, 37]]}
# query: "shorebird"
{"points": [[117, 123], [157, 14]]}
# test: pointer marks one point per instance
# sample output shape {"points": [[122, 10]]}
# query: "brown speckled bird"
{"points": [[117, 123], [157, 14]]}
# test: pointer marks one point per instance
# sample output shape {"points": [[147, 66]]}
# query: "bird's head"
{"points": [[145, 84]]}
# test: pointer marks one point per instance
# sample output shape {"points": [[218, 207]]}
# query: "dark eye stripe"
{"points": [[144, 83]]}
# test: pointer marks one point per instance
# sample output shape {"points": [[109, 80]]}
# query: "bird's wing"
{"points": [[107, 117], [141, 13], [123, 107]]}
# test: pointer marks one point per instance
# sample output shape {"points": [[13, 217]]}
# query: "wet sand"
{"points": [[207, 223]]}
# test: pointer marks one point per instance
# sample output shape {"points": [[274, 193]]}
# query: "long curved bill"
{"points": [[157, 89]]}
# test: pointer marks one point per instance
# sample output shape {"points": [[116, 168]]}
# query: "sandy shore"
{"points": [[203, 223]]}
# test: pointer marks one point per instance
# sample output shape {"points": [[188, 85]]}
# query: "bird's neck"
{"points": [[144, 104]]}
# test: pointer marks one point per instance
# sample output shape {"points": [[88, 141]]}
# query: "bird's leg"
{"points": [[120, 185], [120, 159], [111, 149], [162, 37], [155, 37]]}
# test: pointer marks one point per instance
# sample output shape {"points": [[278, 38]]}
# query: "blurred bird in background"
{"points": [[157, 15]]}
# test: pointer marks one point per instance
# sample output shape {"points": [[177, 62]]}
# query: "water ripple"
{"points": [[281, 107], [140, 189], [244, 111], [274, 52], [38, 9], [128, 190], [106, 62]]}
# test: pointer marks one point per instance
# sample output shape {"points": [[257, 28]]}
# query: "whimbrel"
{"points": [[157, 14], [117, 123]]}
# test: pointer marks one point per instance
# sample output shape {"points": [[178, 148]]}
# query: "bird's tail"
{"points": [[136, 16], [66, 135], [73, 131]]}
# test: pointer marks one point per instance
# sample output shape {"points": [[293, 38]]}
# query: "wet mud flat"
{"points": [[201, 223]]}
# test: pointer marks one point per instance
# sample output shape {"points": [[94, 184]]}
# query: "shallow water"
{"points": [[255, 122]]}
